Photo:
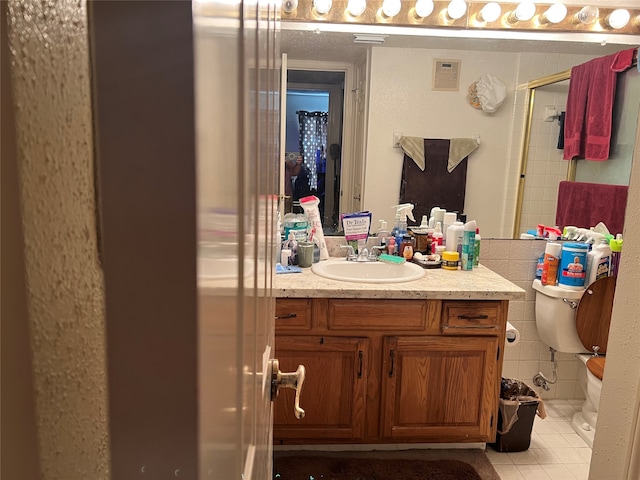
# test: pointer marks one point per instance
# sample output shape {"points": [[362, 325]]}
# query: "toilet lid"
{"points": [[594, 314], [596, 366]]}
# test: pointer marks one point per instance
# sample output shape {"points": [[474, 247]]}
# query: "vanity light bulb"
{"points": [[391, 8], [524, 11], [322, 6], [424, 8], [588, 15], [456, 9], [356, 7], [491, 12], [556, 13], [618, 18]]}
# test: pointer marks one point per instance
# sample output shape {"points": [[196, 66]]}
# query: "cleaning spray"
{"points": [[598, 262], [403, 211]]}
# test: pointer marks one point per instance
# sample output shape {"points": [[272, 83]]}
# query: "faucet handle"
{"points": [[351, 254], [375, 251]]}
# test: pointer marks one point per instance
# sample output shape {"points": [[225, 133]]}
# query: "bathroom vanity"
{"points": [[419, 361]]}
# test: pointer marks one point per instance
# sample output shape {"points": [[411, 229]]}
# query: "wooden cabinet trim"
{"points": [[379, 315], [293, 314]]}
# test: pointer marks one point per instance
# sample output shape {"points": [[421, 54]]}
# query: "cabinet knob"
{"points": [[293, 380]]}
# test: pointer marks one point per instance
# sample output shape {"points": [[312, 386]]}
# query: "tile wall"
{"points": [[545, 167], [516, 261]]}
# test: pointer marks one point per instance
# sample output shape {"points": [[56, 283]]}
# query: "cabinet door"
{"points": [[440, 388], [333, 394]]}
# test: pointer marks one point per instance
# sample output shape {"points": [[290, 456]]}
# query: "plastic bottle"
{"points": [[453, 233], [616, 251], [292, 245], [406, 248], [552, 252], [285, 257], [468, 245], [437, 237], [391, 248], [449, 218], [296, 223], [476, 248], [598, 262], [403, 211], [382, 233]]}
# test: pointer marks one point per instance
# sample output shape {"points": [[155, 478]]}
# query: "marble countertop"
{"points": [[477, 284]]}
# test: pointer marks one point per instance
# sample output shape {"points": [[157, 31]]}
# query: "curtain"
{"points": [[313, 142]]}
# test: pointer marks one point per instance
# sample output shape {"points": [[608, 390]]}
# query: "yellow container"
{"points": [[450, 260]]}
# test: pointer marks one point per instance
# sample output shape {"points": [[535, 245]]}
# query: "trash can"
{"points": [[518, 406]]}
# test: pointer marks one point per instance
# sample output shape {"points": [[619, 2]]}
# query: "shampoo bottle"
{"points": [[468, 244]]}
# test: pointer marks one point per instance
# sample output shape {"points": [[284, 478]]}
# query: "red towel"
{"points": [[584, 204], [592, 88]]}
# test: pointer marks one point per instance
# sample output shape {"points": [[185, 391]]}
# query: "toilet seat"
{"points": [[596, 366], [594, 314]]}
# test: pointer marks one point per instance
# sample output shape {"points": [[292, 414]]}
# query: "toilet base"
{"points": [[577, 423]]}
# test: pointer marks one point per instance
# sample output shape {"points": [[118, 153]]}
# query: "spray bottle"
{"points": [[403, 211], [598, 261]]}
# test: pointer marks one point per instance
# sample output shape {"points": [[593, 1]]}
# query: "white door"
{"points": [[237, 79], [360, 145]]}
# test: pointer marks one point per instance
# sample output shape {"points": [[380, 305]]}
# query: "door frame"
{"points": [[348, 121]]}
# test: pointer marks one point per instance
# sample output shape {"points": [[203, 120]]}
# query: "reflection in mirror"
{"points": [[400, 99], [313, 141]]}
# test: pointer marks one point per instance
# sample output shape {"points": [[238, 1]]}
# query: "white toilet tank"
{"points": [[555, 319]]}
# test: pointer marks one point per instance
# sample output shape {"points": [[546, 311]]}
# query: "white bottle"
{"points": [[598, 262], [454, 233], [449, 219], [437, 237], [382, 233]]}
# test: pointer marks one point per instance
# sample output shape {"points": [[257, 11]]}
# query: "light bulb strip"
{"points": [[470, 20]]}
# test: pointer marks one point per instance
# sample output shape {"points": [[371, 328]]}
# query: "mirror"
{"points": [[401, 101]]}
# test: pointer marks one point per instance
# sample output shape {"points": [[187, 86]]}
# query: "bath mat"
{"points": [[431, 464]]}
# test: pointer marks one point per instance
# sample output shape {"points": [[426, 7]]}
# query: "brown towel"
{"points": [[459, 149], [434, 186]]}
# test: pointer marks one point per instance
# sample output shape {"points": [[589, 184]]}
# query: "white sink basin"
{"points": [[367, 272]]}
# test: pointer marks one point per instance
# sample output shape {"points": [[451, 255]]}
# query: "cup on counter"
{"points": [[305, 254]]}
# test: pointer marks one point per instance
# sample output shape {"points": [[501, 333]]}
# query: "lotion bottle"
{"points": [[437, 236]]}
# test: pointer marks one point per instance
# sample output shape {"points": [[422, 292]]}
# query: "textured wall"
{"points": [[49, 43], [618, 420]]}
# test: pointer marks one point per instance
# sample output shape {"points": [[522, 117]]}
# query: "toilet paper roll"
{"points": [[513, 335]]}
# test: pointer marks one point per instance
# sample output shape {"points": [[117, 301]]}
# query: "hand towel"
{"points": [[414, 148], [459, 149], [592, 87]]}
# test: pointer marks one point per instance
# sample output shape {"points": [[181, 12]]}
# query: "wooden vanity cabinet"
{"points": [[391, 371]]}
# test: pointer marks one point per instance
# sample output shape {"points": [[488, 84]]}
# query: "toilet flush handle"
{"points": [[572, 303], [595, 349]]}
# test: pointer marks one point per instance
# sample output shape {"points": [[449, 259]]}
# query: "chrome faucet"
{"points": [[363, 255]]}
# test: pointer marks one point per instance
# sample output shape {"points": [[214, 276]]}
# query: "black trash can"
{"points": [[518, 407]]}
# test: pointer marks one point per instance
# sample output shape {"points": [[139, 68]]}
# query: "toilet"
{"points": [[577, 321]]}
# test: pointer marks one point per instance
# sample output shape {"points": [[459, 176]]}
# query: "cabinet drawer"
{"points": [[350, 314], [471, 318], [293, 314]]}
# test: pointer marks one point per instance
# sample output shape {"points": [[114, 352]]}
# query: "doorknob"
{"points": [[293, 380], [356, 197]]}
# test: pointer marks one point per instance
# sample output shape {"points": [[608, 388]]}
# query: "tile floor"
{"points": [[556, 451]]}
